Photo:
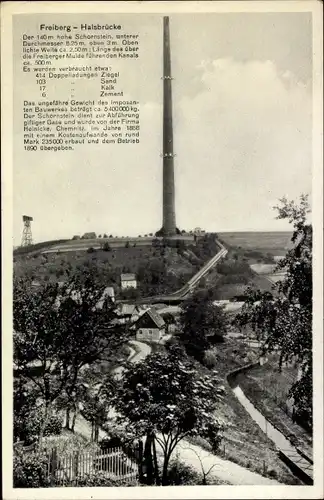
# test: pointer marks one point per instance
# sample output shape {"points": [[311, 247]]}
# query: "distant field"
{"points": [[267, 272], [274, 242], [79, 245], [97, 243], [263, 268]]}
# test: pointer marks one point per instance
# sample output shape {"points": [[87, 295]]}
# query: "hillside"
{"points": [[160, 269], [273, 242]]}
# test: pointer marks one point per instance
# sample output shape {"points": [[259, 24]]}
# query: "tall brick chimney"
{"points": [[169, 222]]}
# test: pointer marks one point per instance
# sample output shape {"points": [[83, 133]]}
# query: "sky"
{"points": [[242, 111]]}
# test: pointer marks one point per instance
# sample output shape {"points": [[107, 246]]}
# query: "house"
{"points": [[128, 280], [128, 313], [89, 236], [108, 292], [36, 284], [150, 326], [77, 296]]}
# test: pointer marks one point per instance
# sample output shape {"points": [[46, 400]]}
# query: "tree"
{"points": [[202, 324], [169, 320], [96, 404], [25, 402], [165, 399], [284, 323], [58, 330], [106, 247]]}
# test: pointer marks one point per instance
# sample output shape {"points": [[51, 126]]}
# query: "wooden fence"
{"points": [[74, 468]]}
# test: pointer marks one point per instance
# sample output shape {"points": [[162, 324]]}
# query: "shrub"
{"points": [[101, 479], [106, 247], [90, 250], [210, 359], [53, 426], [273, 474], [29, 471], [28, 426], [182, 474]]}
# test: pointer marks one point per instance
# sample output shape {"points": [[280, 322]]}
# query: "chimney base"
{"points": [[163, 233]]}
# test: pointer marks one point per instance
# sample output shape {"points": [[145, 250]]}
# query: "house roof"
{"points": [[127, 309], [108, 292], [36, 283], [76, 295], [155, 316], [127, 277]]}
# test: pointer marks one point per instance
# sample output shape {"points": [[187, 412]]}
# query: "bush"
{"points": [[106, 247], [29, 471], [273, 474], [210, 359], [91, 250], [53, 426], [182, 474], [28, 426], [100, 479]]}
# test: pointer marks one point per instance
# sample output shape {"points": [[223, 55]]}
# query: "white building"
{"points": [[128, 280]]}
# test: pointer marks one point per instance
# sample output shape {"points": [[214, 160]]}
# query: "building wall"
{"points": [[128, 284], [150, 334]]}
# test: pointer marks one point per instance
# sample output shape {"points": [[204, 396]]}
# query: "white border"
{"points": [[244, 492]]}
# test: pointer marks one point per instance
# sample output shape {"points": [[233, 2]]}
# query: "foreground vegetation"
{"points": [[284, 323], [268, 388]]}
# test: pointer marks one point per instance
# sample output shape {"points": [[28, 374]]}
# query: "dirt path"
{"points": [[82, 426], [228, 471]]}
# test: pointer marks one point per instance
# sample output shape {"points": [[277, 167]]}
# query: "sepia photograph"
{"points": [[162, 180]]}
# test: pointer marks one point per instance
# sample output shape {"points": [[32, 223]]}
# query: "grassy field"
{"points": [[244, 442], [276, 243], [268, 389], [227, 291], [263, 268], [114, 242]]}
